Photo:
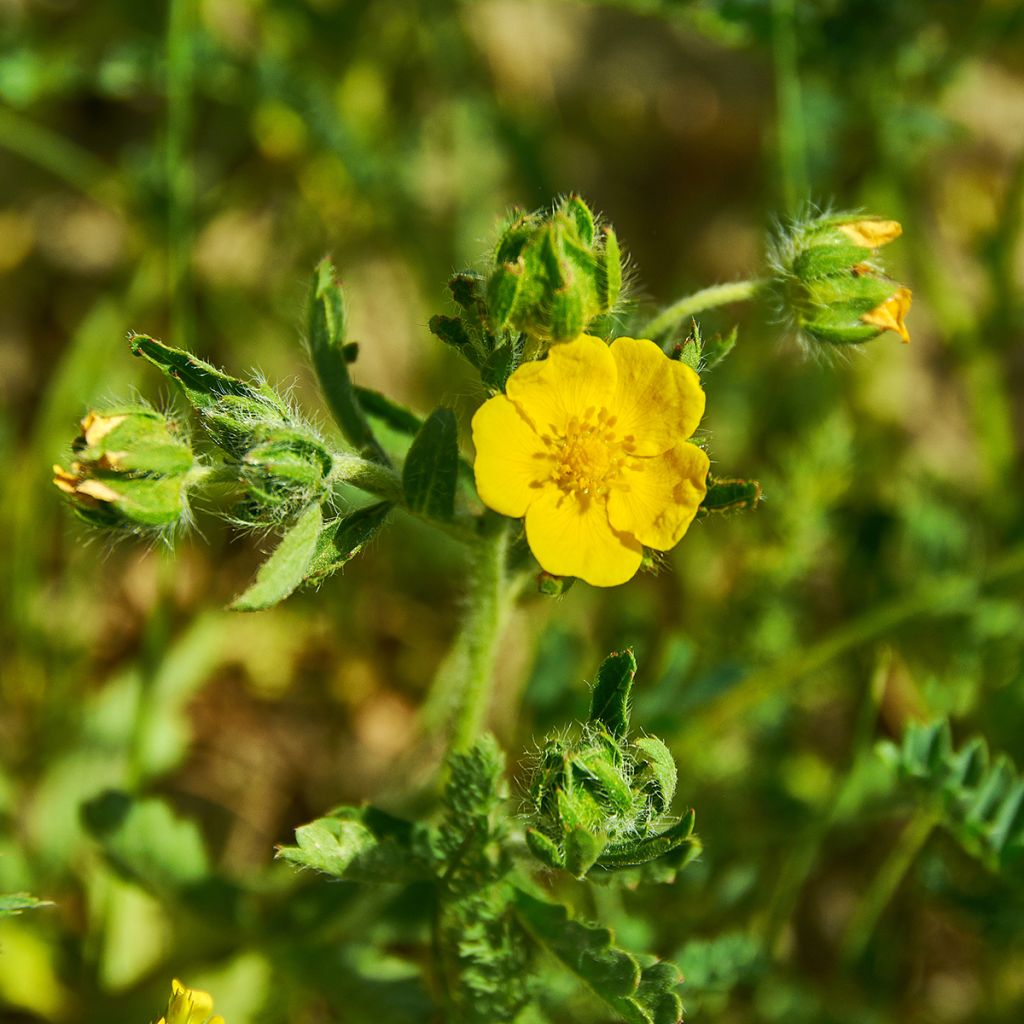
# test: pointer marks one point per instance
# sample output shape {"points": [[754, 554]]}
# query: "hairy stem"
{"points": [[460, 694], [706, 298], [884, 885]]}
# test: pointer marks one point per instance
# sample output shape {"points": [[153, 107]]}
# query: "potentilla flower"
{"points": [[589, 446]]}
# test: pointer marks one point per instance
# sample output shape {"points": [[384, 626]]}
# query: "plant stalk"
{"points": [[461, 691], [706, 298]]}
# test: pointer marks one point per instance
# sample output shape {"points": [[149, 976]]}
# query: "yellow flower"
{"points": [[189, 1006], [589, 445], [889, 316]]}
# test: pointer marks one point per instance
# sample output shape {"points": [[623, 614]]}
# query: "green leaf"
{"points": [[980, 801], [351, 844], [393, 415], [227, 406], [146, 841], [327, 324], [342, 539], [730, 496], [501, 363], [431, 468], [287, 565], [721, 963], [641, 989], [15, 903], [609, 700]]}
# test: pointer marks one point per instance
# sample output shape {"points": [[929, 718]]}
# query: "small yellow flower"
{"points": [[189, 1006], [589, 445]]}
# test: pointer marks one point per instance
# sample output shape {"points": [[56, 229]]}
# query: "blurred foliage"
{"points": [[177, 169]]}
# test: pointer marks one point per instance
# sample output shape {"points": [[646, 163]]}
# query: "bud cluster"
{"points": [[833, 286], [599, 800], [132, 468]]}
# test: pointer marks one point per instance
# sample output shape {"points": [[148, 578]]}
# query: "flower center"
{"points": [[589, 457]]}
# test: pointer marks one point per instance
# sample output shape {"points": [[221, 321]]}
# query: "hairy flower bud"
{"points": [[131, 470], [554, 273], [832, 284], [285, 469]]}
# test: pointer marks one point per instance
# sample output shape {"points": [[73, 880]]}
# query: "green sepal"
{"points": [[554, 586], [284, 467], [430, 473], [544, 849], [582, 849], [715, 350], [610, 266], [836, 257], [730, 496], [503, 289], [227, 406], [582, 218], [287, 565], [361, 846], [501, 364], [602, 768], [327, 326], [657, 771], [144, 441], [136, 502], [609, 700], [342, 539], [634, 853], [566, 314]]}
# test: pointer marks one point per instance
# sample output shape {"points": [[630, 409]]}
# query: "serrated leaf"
{"points": [[640, 989], [980, 802], [342, 539], [730, 496], [327, 326], [287, 565], [16, 902], [431, 468], [146, 841], [346, 844], [609, 700]]}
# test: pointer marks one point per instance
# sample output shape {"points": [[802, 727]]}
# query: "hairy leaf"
{"points": [[609, 700], [641, 989], [342, 539], [287, 565], [431, 467]]}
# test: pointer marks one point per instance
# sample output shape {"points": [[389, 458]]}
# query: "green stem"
{"points": [[791, 138], [178, 169], [706, 298], [462, 687], [884, 885]]}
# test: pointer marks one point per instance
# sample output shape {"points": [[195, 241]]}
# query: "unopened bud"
{"points": [[833, 285], [555, 272], [285, 469], [131, 470]]}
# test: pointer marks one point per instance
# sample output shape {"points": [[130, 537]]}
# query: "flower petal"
{"points": [[661, 497], [577, 376], [659, 401], [571, 536], [510, 459]]}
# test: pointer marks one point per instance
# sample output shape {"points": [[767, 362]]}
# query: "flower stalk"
{"points": [[707, 298]]}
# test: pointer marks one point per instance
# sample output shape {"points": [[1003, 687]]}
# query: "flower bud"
{"points": [[832, 283], [131, 470], [189, 1006], [285, 470], [555, 272]]}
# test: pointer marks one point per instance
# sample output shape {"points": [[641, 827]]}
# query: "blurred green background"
{"points": [[178, 169]]}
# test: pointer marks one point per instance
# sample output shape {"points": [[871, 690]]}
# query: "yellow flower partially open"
{"points": [[189, 1006], [589, 445]]}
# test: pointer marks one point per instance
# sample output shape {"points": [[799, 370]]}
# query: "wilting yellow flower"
{"points": [[590, 446], [189, 1006], [889, 316]]}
